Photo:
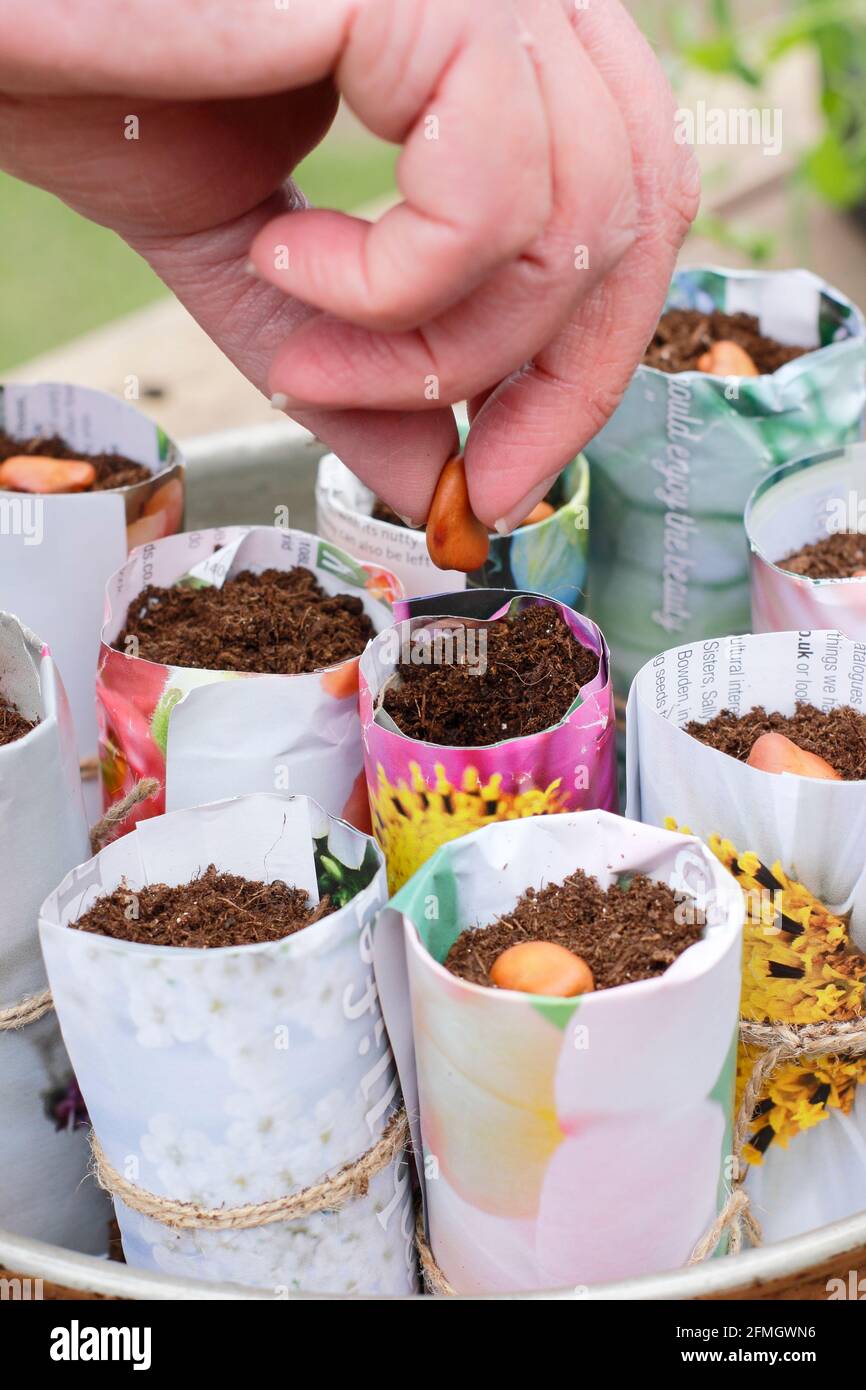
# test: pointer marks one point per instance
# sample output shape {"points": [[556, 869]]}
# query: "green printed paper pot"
{"points": [[549, 557], [673, 468], [562, 1141]]}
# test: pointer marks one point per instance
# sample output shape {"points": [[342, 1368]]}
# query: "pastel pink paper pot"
{"points": [[799, 504]]}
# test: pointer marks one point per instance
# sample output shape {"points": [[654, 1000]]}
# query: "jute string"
{"points": [[37, 1005], [353, 1180], [782, 1042]]}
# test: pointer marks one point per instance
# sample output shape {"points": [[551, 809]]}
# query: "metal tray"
{"points": [[242, 476]]}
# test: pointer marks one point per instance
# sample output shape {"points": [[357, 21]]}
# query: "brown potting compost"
{"points": [[280, 622], [13, 725], [631, 931], [836, 556], [684, 335], [838, 736], [535, 668], [112, 470], [382, 512], [215, 909]]}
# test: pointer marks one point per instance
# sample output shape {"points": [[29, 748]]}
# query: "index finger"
{"points": [[474, 171]]}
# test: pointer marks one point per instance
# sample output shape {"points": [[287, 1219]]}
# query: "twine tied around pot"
{"points": [[35, 1006], [25, 1011], [781, 1042], [330, 1194], [116, 814]]}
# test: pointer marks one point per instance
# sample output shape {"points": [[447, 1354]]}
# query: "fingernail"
{"points": [[279, 401], [506, 524]]}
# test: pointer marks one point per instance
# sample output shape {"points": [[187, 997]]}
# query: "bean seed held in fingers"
{"points": [[456, 539]]}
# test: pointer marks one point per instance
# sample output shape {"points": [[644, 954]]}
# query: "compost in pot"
{"points": [[13, 725], [841, 555], [632, 930], [279, 621], [213, 909], [533, 670], [837, 737], [47, 464], [688, 340]]}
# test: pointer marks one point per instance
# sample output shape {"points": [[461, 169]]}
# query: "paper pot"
{"points": [[43, 1145], [240, 1074], [673, 468], [209, 734], [798, 504], [796, 847], [424, 794], [549, 557], [563, 1141], [58, 551]]}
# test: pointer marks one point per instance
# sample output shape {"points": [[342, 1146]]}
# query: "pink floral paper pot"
{"points": [[562, 1142], [424, 794], [205, 735], [799, 504]]}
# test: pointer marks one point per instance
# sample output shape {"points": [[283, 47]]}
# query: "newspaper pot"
{"points": [[58, 551], [562, 1141], [239, 1074], [673, 468], [800, 503], [424, 794], [796, 846], [43, 832], [549, 557], [210, 734]]}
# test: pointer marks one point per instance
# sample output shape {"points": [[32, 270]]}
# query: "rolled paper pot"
{"points": [[44, 1153], [800, 503], [673, 468], [58, 551], [424, 794], [240, 1074], [795, 845], [209, 734], [549, 557], [562, 1142]]}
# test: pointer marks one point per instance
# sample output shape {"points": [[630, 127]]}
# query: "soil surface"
{"points": [[630, 931], [535, 669], [382, 512], [839, 736], [112, 470], [683, 335], [214, 909], [836, 556], [13, 725], [280, 622]]}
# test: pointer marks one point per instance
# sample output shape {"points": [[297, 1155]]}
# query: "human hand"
{"points": [[555, 133]]}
